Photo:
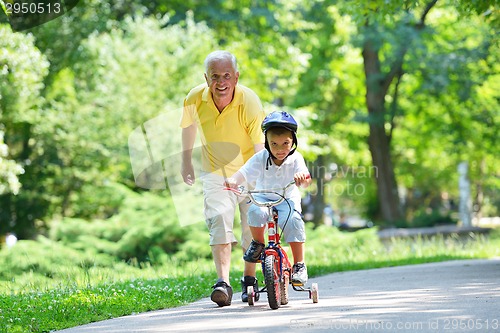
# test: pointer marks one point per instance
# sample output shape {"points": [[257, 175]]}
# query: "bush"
{"points": [[145, 228], [46, 258], [426, 219]]}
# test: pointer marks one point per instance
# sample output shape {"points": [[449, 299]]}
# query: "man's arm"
{"points": [[188, 138]]}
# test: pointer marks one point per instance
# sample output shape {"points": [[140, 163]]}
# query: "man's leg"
{"points": [[222, 293], [220, 207], [222, 260]]}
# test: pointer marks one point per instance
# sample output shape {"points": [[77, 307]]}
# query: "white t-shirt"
{"points": [[274, 176]]}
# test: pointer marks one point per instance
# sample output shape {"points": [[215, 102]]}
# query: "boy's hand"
{"points": [[302, 179], [230, 183]]}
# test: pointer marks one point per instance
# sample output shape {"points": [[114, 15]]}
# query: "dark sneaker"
{"points": [[222, 294], [249, 281], [253, 252], [299, 274]]}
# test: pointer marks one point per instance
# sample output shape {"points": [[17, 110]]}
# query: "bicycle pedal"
{"points": [[297, 284]]}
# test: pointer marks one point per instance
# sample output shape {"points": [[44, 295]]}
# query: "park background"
{"points": [[391, 98]]}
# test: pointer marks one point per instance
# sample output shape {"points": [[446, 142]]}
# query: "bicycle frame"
{"points": [[274, 244], [273, 249], [272, 223]]}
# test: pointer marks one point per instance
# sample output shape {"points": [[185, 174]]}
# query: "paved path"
{"points": [[454, 296]]}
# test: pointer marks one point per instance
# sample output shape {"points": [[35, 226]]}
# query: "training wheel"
{"points": [[251, 295], [314, 292]]}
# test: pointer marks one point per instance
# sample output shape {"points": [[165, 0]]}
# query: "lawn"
{"points": [[88, 292]]}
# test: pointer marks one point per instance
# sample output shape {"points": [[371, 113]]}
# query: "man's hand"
{"points": [[187, 172]]}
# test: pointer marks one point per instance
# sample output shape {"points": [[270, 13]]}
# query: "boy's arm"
{"points": [[236, 180], [302, 176]]}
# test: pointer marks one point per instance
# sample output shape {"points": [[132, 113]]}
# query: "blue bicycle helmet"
{"points": [[280, 119]]}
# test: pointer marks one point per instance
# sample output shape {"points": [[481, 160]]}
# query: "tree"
{"points": [[389, 35], [21, 81], [378, 82], [9, 170]]}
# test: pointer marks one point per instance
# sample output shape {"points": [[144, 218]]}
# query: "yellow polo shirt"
{"points": [[228, 137]]}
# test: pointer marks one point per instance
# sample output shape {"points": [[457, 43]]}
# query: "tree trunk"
{"points": [[379, 144], [319, 200], [377, 85], [390, 206]]}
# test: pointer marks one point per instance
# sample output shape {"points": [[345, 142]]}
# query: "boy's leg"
{"points": [[246, 237], [298, 249], [257, 217], [295, 235], [258, 234], [248, 278], [299, 269]]}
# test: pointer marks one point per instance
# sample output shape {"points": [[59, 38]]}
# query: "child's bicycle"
{"points": [[276, 267]]}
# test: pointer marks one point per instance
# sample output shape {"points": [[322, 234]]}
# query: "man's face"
{"points": [[221, 79]]}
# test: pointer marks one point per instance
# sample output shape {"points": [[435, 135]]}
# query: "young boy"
{"points": [[275, 167]]}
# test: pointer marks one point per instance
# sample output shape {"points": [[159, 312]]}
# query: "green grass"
{"points": [[58, 309], [34, 303]]}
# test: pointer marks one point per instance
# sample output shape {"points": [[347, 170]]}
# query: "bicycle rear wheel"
{"points": [[272, 279]]}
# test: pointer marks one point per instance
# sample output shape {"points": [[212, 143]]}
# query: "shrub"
{"points": [[145, 228], [426, 219], [46, 258]]}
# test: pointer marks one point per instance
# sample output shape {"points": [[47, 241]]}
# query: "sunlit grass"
{"points": [[85, 293]]}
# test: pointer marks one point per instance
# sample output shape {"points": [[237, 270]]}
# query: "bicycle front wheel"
{"points": [[272, 279]]}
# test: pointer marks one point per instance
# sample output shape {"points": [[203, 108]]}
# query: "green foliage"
{"points": [[9, 169], [146, 229], [424, 219], [78, 145], [22, 71], [21, 77], [47, 261]]}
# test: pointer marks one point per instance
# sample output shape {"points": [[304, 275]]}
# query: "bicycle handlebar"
{"points": [[242, 191]]}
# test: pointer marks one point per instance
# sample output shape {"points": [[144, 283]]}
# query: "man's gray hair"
{"points": [[220, 55]]}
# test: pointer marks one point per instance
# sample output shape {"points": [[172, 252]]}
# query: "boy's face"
{"points": [[280, 144]]}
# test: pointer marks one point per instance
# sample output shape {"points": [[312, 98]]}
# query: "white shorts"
{"points": [[220, 208], [292, 225]]}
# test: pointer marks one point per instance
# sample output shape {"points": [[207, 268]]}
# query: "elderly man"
{"points": [[228, 116]]}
